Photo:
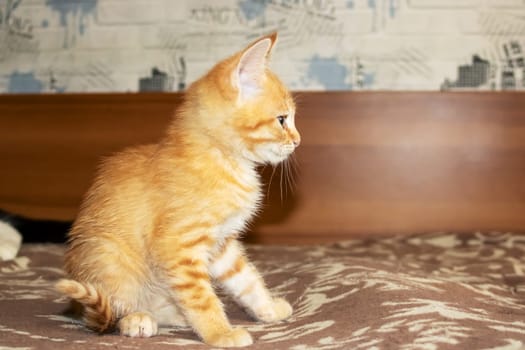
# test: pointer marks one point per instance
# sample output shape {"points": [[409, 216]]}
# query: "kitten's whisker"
{"points": [[286, 179], [281, 183], [270, 183], [290, 173], [295, 162]]}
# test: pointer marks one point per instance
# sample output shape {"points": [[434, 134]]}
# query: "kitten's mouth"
{"points": [[287, 150], [276, 154]]}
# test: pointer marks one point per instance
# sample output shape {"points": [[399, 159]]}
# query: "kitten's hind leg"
{"points": [[138, 324], [240, 278]]}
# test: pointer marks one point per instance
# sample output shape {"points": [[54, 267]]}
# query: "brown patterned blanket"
{"points": [[440, 291]]}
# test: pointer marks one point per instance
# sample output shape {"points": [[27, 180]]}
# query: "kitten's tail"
{"points": [[98, 313]]}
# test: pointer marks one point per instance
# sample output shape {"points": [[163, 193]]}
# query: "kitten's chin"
{"points": [[275, 158], [266, 158], [269, 155]]}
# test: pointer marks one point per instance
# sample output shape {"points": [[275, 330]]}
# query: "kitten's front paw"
{"points": [[138, 324], [234, 338], [279, 310]]}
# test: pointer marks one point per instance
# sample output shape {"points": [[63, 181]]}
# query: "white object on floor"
{"points": [[10, 241]]}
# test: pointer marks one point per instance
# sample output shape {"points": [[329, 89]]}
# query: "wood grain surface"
{"points": [[376, 163]]}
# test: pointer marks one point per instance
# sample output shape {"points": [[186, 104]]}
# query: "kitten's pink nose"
{"points": [[297, 141]]}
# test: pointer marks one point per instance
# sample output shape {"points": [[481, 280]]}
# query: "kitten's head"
{"points": [[245, 107]]}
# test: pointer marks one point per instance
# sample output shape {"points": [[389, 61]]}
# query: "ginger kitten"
{"points": [[159, 225]]}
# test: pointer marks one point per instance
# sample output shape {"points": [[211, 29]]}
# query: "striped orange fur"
{"points": [[158, 227]]}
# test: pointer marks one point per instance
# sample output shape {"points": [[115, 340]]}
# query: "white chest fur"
{"points": [[245, 203], [237, 221]]}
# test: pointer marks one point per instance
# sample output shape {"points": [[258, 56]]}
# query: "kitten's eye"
{"points": [[282, 119]]}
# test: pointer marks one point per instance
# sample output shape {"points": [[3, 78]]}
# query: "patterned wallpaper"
{"points": [[132, 45]]}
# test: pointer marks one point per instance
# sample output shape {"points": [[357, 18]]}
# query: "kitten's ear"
{"points": [[250, 69]]}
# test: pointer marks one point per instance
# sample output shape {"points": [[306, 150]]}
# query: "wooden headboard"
{"points": [[370, 163]]}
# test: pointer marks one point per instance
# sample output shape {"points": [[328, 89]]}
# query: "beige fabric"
{"points": [[439, 291]]}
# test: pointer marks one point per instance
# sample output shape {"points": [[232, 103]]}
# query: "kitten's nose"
{"points": [[297, 141]]}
